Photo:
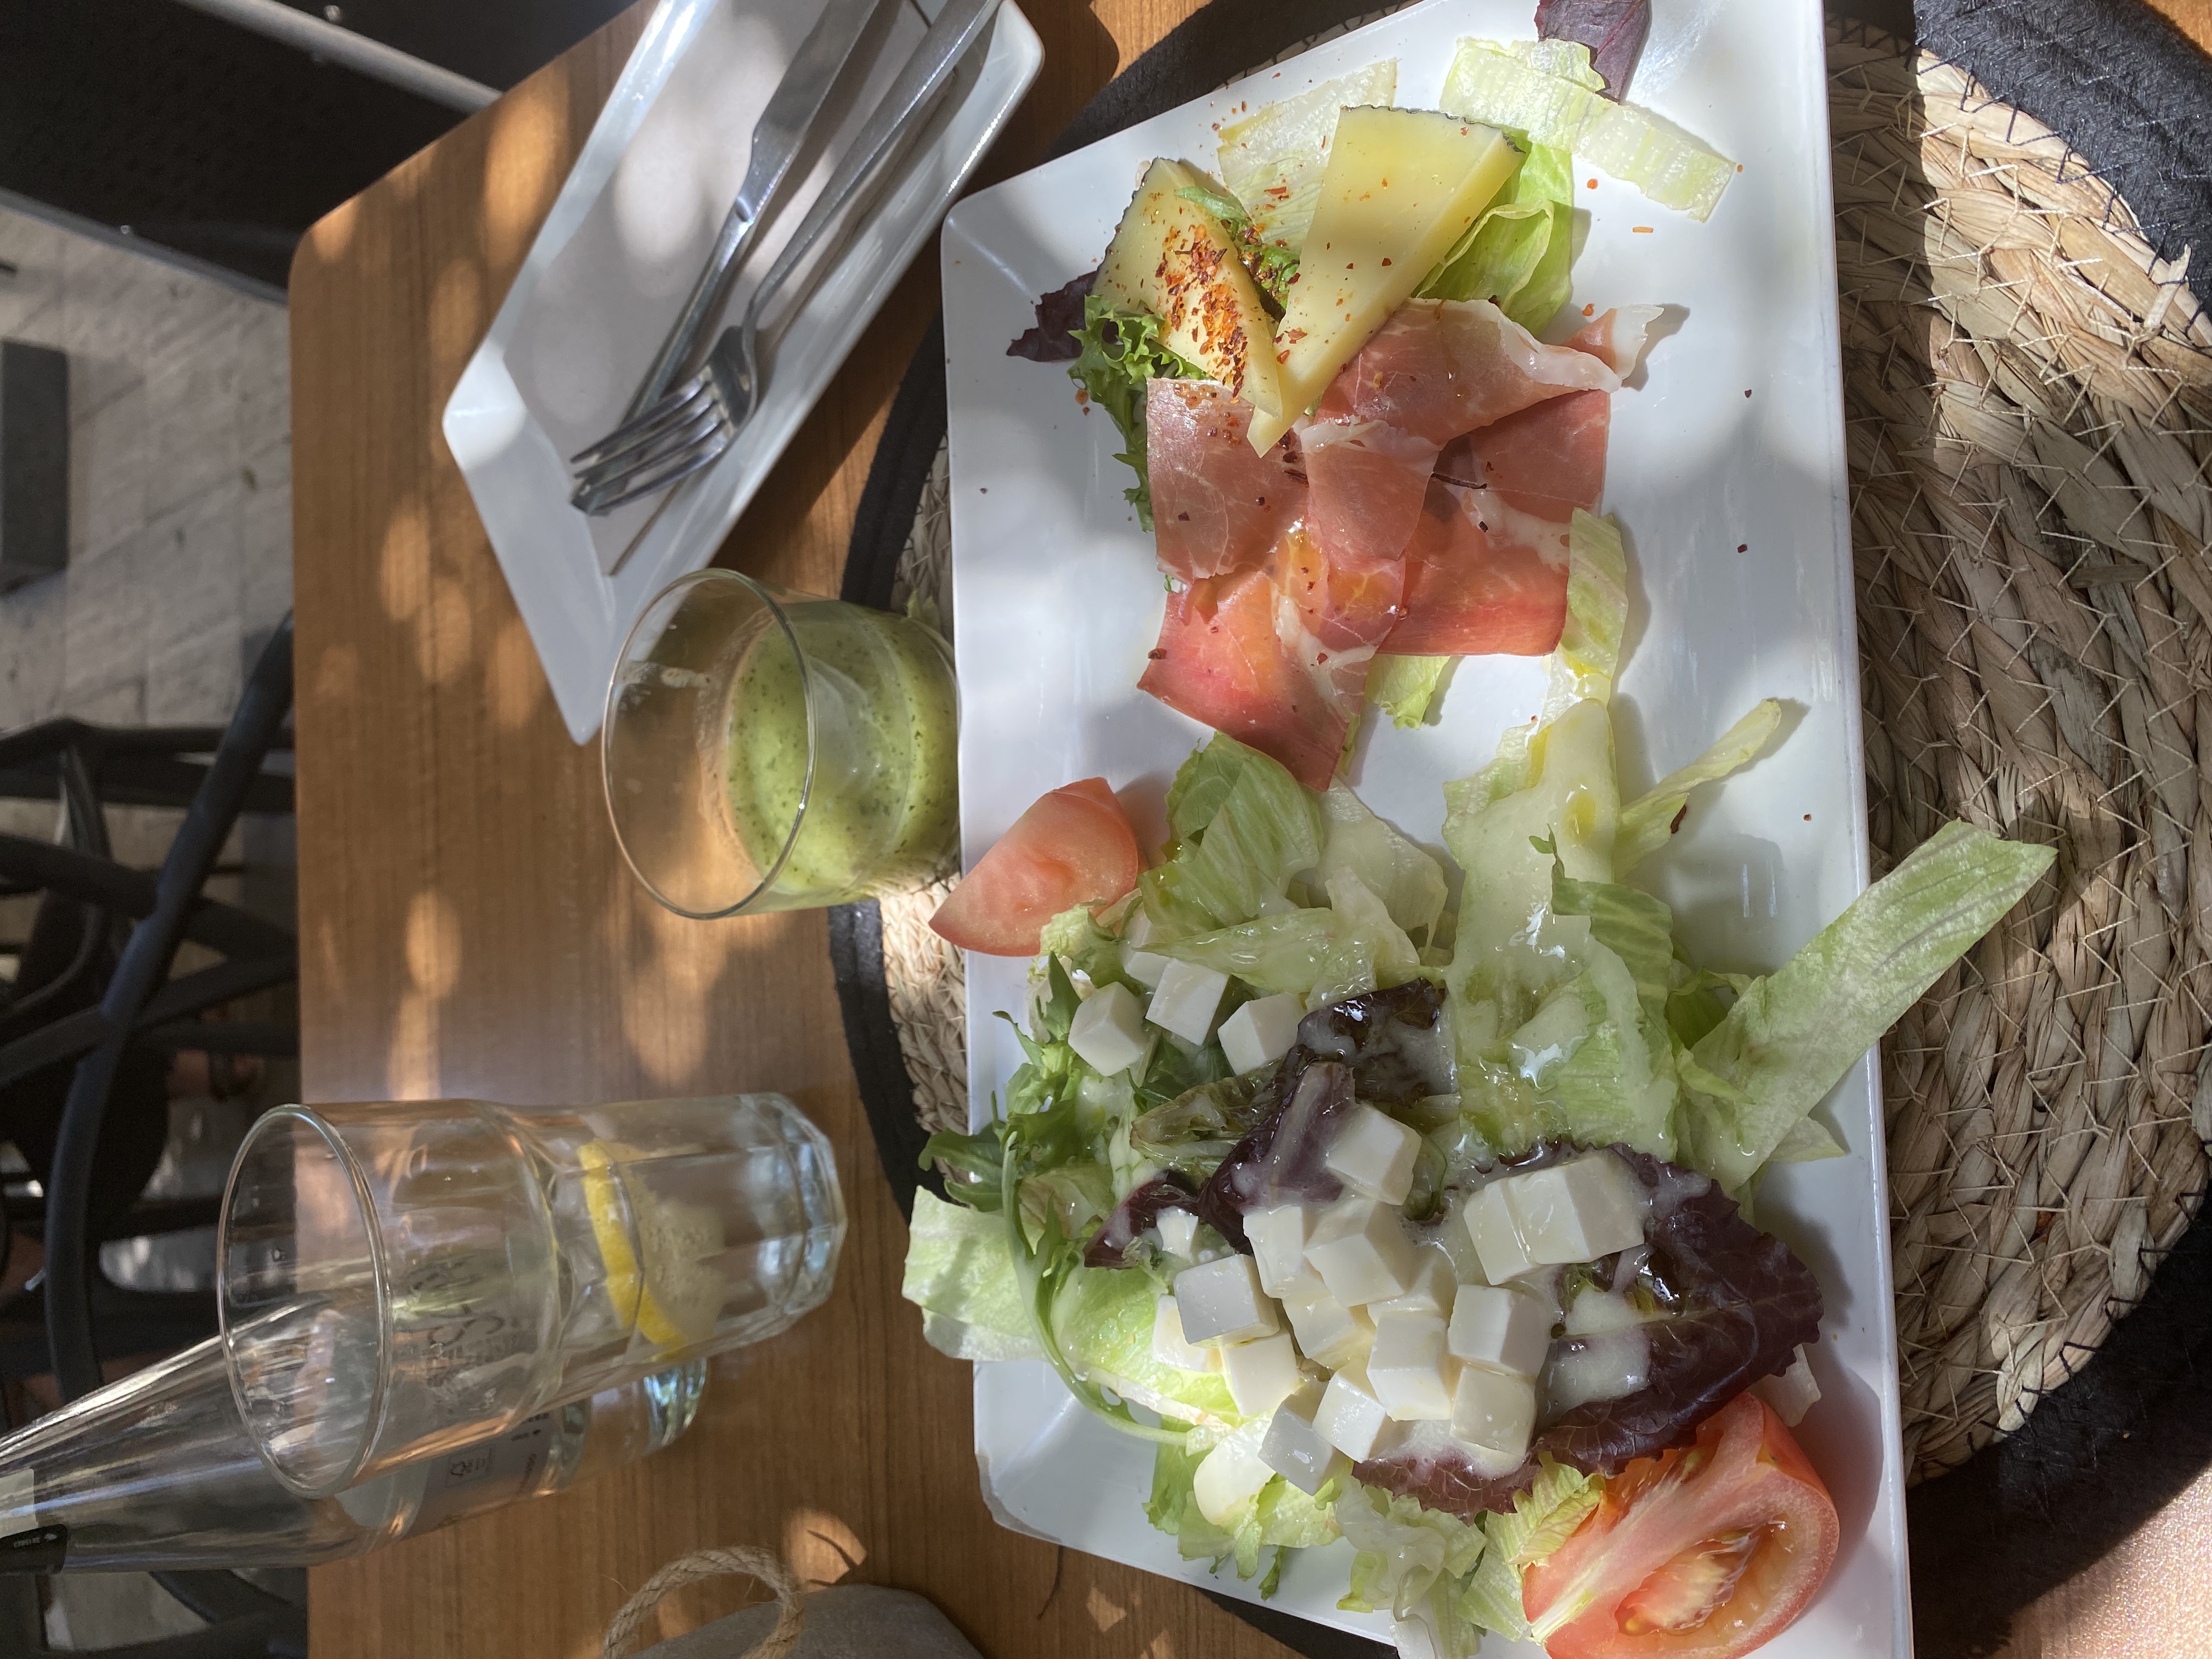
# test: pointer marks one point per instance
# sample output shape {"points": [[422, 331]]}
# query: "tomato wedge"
{"points": [[1702, 1552], [1072, 847]]}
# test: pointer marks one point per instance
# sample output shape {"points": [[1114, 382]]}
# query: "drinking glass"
{"points": [[401, 1280], [156, 1471], [767, 750]]}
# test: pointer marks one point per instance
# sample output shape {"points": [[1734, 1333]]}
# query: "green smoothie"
{"points": [[884, 802]]}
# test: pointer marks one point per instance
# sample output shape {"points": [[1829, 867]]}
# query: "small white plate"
{"points": [[639, 249], [1057, 601]]}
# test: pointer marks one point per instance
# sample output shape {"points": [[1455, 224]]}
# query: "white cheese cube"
{"points": [[1492, 1325], [1361, 1250], [1140, 928], [1261, 1374], [1226, 1476], [1430, 1290], [1171, 1347], [1221, 1301], [1108, 1031], [1578, 1211], [1328, 1333], [1278, 1238], [1261, 1031], [1184, 1000], [1350, 1418], [1496, 1235], [1144, 967], [1373, 1155], [1495, 1411], [1409, 1369], [1179, 1233], [1294, 1449]]}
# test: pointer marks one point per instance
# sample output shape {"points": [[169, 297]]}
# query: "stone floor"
{"points": [[179, 568]]}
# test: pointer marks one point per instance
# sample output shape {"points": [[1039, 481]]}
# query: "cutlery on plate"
{"points": [[792, 111], [696, 421]]}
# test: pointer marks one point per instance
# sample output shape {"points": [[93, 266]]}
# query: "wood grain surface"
{"points": [[467, 929]]}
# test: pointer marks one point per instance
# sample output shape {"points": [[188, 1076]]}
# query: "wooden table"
{"points": [[467, 929]]}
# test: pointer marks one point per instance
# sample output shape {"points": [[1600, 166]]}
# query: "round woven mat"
{"points": [[2029, 394]]}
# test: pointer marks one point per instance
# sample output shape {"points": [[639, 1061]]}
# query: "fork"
{"points": [[691, 425]]}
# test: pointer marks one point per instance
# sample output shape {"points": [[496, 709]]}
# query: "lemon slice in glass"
{"points": [[672, 1298]]}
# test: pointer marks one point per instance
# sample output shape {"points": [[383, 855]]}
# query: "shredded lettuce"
{"points": [[1243, 827], [1404, 1549], [1120, 351], [1519, 87], [1405, 688], [1517, 254], [1408, 881], [1278, 1515], [1319, 955], [1105, 1317], [1543, 1518], [958, 1274], [1648, 822], [1273, 161], [1793, 1034]]}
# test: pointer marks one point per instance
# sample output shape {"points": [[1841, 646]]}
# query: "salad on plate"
{"points": [[1409, 1203]]}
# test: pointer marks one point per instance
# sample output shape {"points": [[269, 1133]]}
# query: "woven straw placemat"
{"points": [[2029, 394]]}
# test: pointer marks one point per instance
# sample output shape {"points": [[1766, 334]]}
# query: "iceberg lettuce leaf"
{"points": [[1793, 1034], [1542, 1519], [1409, 882], [1405, 688], [1505, 88], [1243, 827], [959, 1273], [1648, 822]]}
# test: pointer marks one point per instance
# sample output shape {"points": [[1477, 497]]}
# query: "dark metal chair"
{"points": [[140, 1008]]}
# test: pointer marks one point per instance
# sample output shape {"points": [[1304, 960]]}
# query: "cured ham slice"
{"points": [[1365, 483], [1619, 338], [1441, 367], [1217, 507], [1233, 655], [1482, 578], [1546, 460]]}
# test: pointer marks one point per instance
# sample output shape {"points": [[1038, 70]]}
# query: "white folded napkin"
{"points": [[608, 298]]}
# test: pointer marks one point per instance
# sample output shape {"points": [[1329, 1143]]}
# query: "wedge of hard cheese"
{"points": [[1403, 185], [1175, 259]]}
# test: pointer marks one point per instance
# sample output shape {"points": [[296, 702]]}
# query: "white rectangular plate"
{"points": [[1732, 438], [516, 469]]}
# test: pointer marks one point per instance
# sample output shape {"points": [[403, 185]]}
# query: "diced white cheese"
{"points": [[1361, 1250], [1496, 1235], [1373, 1155], [1144, 967], [1261, 1374], [1578, 1211], [1328, 1333], [1496, 1327], [1221, 1301], [1226, 1476], [1278, 1237], [1171, 1347], [1261, 1031], [1140, 928], [1294, 1449], [1793, 1393], [1350, 1418], [1494, 1409], [1430, 1290], [1179, 1233], [1408, 1368], [1108, 1031], [1184, 1000]]}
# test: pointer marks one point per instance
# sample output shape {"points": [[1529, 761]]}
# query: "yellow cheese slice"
{"points": [[1402, 186]]}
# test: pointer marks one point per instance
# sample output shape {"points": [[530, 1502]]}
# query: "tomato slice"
{"points": [[1702, 1552], [1072, 847]]}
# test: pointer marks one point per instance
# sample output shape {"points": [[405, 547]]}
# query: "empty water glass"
{"points": [[399, 1280]]}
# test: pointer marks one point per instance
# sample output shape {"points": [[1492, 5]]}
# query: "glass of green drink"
{"points": [[766, 751]]}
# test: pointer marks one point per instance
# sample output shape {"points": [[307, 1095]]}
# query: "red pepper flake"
{"points": [[1590, 311], [1809, 817], [1593, 184], [983, 489], [1743, 547], [1746, 391], [1386, 262], [1321, 657], [1156, 655], [1674, 828], [1641, 230]]}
